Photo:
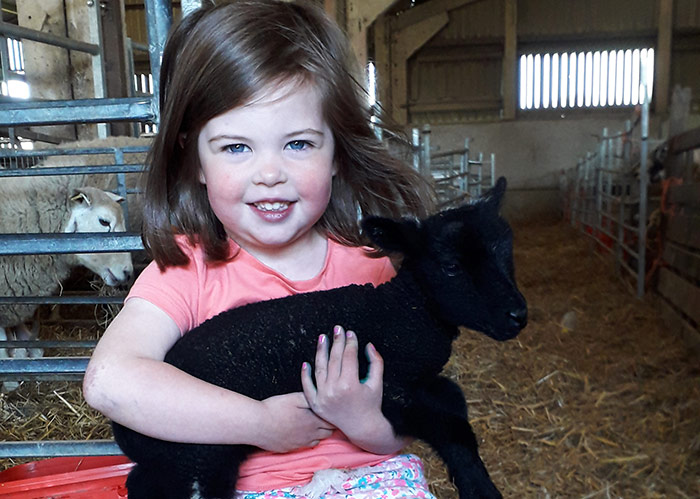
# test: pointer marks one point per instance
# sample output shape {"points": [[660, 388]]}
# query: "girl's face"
{"points": [[268, 167]]}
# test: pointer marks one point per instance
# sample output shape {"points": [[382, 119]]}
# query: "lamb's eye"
{"points": [[451, 269], [104, 223]]}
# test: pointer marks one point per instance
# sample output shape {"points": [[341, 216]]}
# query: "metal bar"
{"points": [[159, 17], [43, 37], [85, 242], [63, 300], [643, 179], [59, 448], [41, 153], [425, 151], [447, 153], [71, 170], [70, 111], [47, 344], [415, 141], [628, 250], [45, 368]]}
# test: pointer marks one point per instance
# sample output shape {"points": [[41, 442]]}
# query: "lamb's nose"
{"points": [[519, 317]]}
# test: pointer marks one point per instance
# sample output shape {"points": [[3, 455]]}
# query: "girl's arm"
{"points": [[127, 380], [339, 397]]}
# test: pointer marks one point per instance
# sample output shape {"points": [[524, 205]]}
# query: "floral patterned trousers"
{"points": [[400, 476]]}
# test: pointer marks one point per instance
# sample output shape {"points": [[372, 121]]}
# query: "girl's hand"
{"points": [[351, 405], [290, 424]]}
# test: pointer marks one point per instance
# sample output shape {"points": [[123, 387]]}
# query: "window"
{"points": [[585, 79], [15, 86]]}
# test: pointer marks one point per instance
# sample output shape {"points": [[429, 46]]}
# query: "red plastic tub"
{"points": [[97, 477]]}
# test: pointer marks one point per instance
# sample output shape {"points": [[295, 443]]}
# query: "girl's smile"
{"points": [[268, 167]]}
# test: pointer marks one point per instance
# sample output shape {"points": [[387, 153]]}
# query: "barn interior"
{"points": [[589, 108]]}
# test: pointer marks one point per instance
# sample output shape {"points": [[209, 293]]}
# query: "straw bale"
{"points": [[594, 399]]}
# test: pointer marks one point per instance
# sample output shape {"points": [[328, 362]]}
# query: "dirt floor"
{"points": [[595, 398]]}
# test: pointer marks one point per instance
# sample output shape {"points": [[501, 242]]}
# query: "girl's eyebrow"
{"points": [[227, 137], [312, 131]]}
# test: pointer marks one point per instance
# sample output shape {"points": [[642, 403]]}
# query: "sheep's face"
{"points": [[463, 258], [94, 210]]}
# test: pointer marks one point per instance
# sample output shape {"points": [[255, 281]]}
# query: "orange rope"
{"points": [[670, 211]]}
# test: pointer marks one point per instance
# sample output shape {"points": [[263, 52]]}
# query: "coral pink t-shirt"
{"points": [[194, 293]]}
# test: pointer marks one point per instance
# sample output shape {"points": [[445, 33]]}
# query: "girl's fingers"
{"points": [[375, 372], [321, 366], [307, 384], [350, 362], [335, 360]]}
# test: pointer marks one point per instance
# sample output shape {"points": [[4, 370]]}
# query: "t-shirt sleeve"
{"points": [[174, 291]]}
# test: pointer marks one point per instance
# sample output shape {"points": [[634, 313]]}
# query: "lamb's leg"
{"points": [[148, 483], [439, 417]]}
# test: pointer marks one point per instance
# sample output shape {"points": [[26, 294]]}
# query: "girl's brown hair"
{"points": [[217, 59]]}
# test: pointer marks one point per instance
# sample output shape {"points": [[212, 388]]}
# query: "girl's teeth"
{"points": [[271, 206]]}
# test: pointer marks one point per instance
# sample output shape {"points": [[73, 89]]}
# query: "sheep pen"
{"points": [[608, 408]]}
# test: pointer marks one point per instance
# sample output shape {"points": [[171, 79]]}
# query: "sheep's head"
{"points": [[95, 210], [463, 259]]}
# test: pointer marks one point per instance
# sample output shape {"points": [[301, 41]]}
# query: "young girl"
{"points": [[262, 163]]}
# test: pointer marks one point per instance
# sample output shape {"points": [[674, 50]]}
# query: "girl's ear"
{"points": [[202, 178]]}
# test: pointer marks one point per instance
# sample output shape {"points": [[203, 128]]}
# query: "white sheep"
{"points": [[53, 204], [106, 182]]}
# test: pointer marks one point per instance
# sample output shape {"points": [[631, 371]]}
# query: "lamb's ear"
{"points": [[394, 236], [81, 196], [494, 196]]}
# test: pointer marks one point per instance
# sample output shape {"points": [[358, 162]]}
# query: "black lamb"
{"points": [[457, 271]]}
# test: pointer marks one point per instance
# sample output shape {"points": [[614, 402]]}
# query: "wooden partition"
{"points": [[678, 283]]}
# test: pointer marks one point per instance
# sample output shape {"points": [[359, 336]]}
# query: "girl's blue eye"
{"points": [[298, 145], [236, 148]]}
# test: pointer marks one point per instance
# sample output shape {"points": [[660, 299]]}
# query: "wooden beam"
{"points": [[382, 62], [331, 8], [421, 12], [662, 66], [360, 15], [404, 44], [510, 54]]}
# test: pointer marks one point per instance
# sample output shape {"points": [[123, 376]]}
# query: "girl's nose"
{"points": [[270, 172]]}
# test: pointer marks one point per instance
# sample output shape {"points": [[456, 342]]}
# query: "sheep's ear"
{"points": [[394, 236], [494, 196], [81, 196], [114, 197]]}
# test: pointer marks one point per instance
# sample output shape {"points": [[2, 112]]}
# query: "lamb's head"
{"points": [[95, 210], [463, 260]]}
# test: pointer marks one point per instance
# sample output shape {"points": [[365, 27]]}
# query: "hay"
{"points": [[594, 399], [608, 409]]}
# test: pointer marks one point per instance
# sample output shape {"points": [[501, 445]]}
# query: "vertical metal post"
{"points": [[643, 181], [415, 141], [480, 173], [575, 200], [467, 168], [159, 17], [121, 183], [463, 161], [599, 180], [425, 151], [98, 69], [493, 169]]}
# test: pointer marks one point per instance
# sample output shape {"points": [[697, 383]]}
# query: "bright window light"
{"points": [[372, 84], [15, 88], [586, 79]]}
